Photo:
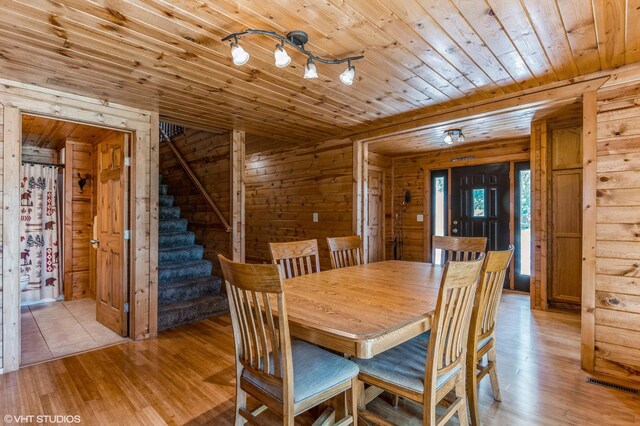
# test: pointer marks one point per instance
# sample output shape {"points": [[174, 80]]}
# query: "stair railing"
{"points": [[195, 180]]}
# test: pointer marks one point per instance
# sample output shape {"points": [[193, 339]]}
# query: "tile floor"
{"points": [[57, 329]]}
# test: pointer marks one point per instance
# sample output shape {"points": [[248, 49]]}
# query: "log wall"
{"points": [[208, 155], [413, 173], [284, 187], [617, 249]]}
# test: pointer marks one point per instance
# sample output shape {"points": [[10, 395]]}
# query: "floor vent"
{"points": [[612, 386]]}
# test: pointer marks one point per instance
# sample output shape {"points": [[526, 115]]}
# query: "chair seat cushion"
{"points": [[314, 371], [402, 366]]}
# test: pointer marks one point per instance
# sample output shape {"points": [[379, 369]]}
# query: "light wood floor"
{"points": [[57, 329], [186, 376]]}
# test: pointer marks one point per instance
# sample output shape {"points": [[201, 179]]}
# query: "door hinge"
{"points": [[127, 234], [126, 308], [127, 161]]}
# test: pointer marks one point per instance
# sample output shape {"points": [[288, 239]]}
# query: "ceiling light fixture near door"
{"points": [[297, 40], [453, 135]]}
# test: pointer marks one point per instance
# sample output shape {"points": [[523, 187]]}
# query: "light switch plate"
{"points": [[315, 217], [420, 218]]}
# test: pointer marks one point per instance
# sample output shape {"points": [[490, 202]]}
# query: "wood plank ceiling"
{"points": [[420, 55], [47, 133]]}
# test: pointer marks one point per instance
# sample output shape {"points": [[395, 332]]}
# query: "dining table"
{"points": [[366, 309]]}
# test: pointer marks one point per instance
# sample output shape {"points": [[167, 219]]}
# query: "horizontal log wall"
{"points": [[39, 155], [284, 187], [411, 173], [617, 283], [208, 155]]}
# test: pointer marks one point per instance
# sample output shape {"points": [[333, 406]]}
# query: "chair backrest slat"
{"points": [[296, 258], [262, 340], [489, 292], [345, 251], [450, 327], [457, 248]]}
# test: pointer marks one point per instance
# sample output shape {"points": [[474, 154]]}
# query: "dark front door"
{"points": [[480, 204]]}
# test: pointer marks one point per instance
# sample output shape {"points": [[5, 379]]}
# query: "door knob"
{"points": [[454, 230], [94, 241]]}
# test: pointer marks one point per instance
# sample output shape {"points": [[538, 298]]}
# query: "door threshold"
{"points": [[108, 345]]}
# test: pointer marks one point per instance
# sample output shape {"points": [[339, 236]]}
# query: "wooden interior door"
{"points": [[480, 204], [111, 276], [565, 287], [375, 230]]}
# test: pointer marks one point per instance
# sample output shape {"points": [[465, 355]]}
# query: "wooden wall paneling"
{"points": [[612, 318], [589, 220], [539, 220], [209, 155], [78, 220], [237, 189], [39, 155], [426, 213], [413, 173], [35, 100], [365, 200], [358, 167], [284, 187], [11, 239], [154, 217], [533, 165]]}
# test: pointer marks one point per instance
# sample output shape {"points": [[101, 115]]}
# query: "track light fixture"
{"points": [[281, 57], [310, 70], [453, 135], [238, 54], [296, 39]]}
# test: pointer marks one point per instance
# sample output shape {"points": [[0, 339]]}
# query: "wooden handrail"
{"points": [[195, 181]]}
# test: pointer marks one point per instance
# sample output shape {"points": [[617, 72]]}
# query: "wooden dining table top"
{"points": [[366, 309]]}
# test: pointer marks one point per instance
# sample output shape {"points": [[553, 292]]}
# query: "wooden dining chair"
{"points": [[295, 258], [482, 331], [345, 251], [457, 248], [427, 374], [288, 377]]}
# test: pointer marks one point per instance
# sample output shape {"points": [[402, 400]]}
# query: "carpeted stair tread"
{"points": [[194, 288], [179, 254], [176, 239], [166, 200], [183, 270], [169, 212], [172, 225], [174, 314], [187, 291]]}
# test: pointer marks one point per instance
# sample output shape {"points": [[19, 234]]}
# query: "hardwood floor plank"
{"points": [[186, 376]]}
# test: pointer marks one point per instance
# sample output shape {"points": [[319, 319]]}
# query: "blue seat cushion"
{"points": [[402, 366], [314, 371]]}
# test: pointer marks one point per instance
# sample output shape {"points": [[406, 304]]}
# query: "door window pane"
{"points": [[525, 222], [478, 202]]}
